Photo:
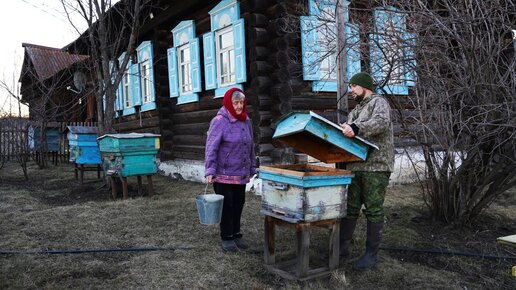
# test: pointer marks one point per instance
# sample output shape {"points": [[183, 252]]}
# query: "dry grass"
{"points": [[53, 212]]}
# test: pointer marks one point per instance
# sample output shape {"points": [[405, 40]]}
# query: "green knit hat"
{"points": [[362, 79]]}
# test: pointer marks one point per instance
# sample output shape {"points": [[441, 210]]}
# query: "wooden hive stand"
{"points": [[79, 170], [125, 189], [298, 268]]}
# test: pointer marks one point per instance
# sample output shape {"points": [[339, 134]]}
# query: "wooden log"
{"points": [[257, 53], [132, 125], [283, 91], [204, 116], [281, 75], [195, 140], [258, 19], [277, 10], [191, 129], [265, 149], [280, 59], [260, 35], [278, 27], [260, 68], [279, 43], [258, 5], [188, 155], [266, 132], [302, 104], [265, 118], [261, 84], [285, 108]]}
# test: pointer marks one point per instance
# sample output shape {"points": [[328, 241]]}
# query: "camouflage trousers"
{"points": [[368, 189]]}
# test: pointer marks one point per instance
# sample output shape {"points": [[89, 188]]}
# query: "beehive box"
{"points": [[306, 193], [129, 154], [52, 139], [83, 145]]}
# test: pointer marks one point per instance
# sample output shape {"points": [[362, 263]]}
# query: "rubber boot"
{"points": [[374, 236], [347, 227]]}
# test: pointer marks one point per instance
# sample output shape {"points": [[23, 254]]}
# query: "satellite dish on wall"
{"points": [[79, 80]]}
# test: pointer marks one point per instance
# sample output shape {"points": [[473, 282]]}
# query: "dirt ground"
{"points": [[56, 234]]}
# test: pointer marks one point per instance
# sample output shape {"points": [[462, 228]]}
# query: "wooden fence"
{"points": [[15, 138]]}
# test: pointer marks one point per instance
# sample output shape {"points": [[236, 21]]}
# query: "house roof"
{"points": [[48, 61]]}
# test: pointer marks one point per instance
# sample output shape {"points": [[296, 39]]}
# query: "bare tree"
{"points": [[463, 103], [465, 95], [112, 29], [13, 132]]}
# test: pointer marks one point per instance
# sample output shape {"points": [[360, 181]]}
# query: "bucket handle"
{"points": [[206, 188]]}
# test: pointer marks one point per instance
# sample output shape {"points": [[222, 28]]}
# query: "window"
{"points": [[184, 70], [391, 52], [145, 81], [124, 104], [319, 45], [126, 89], [185, 80], [225, 57], [143, 88], [224, 49]]}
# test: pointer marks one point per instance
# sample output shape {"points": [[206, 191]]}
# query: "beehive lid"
{"points": [[83, 130], [316, 136], [129, 135]]}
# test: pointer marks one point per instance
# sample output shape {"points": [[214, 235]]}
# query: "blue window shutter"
{"points": [[353, 65], [410, 58], [173, 81], [136, 92], [309, 48], [239, 36], [210, 75], [376, 42], [195, 65]]}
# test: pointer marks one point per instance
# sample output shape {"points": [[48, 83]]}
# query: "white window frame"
{"points": [[184, 69], [145, 82], [218, 53], [126, 89]]}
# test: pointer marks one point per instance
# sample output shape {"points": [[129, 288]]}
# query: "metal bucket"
{"points": [[209, 207]]}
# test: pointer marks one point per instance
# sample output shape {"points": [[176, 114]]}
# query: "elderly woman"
{"points": [[230, 163]]}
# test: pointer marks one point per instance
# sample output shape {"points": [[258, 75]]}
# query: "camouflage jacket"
{"points": [[372, 116]]}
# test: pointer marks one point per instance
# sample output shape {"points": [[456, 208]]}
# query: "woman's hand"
{"points": [[209, 179]]}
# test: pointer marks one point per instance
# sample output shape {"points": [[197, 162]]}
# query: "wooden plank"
{"points": [[302, 170], [508, 240], [269, 242], [302, 245]]}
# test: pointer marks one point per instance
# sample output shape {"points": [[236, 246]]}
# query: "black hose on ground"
{"points": [[82, 251], [446, 252]]}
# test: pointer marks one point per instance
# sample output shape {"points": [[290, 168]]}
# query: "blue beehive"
{"points": [[52, 139], [83, 145], [303, 192], [129, 154]]}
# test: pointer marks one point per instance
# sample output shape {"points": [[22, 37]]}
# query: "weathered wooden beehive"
{"points": [[129, 154], [306, 193], [83, 145]]}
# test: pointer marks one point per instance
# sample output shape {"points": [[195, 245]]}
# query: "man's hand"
{"points": [[347, 130]]}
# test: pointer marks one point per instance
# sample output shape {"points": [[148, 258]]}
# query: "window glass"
{"points": [[185, 81], [393, 68], [126, 89], [225, 56], [145, 81]]}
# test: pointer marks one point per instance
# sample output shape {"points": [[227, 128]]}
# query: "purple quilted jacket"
{"points": [[229, 149]]}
